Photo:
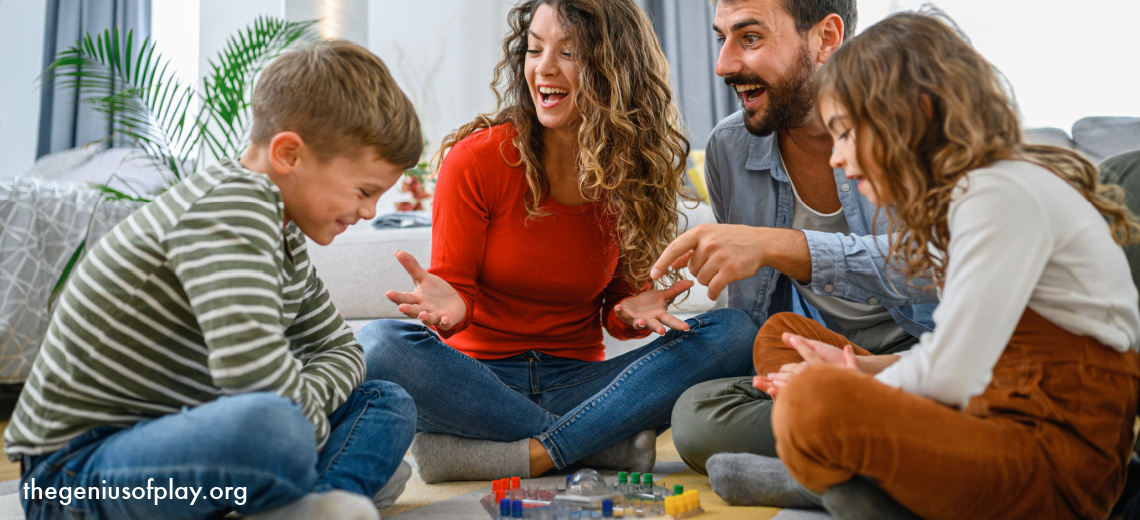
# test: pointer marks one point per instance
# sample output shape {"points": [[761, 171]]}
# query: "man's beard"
{"points": [[790, 101]]}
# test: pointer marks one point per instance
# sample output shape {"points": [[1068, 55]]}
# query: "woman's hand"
{"points": [[434, 301], [814, 353], [650, 308]]}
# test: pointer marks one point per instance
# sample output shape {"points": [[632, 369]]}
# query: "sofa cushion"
{"points": [[1102, 137], [58, 165], [1050, 136], [359, 266], [124, 169]]}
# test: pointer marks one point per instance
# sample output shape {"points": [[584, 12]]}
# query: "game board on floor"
{"points": [[586, 494]]}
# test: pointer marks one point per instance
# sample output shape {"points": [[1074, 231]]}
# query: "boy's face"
{"points": [[325, 198]]}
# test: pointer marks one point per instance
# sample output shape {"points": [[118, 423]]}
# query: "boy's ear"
{"points": [[285, 151]]}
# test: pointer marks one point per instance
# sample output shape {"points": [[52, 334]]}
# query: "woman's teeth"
{"points": [[552, 94]]}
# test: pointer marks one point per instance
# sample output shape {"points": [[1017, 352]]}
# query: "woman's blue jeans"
{"points": [[574, 408], [244, 453]]}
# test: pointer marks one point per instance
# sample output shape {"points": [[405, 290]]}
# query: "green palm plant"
{"points": [[152, 110]]}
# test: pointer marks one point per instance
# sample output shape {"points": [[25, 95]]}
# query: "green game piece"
{"points": [[678, 490]]}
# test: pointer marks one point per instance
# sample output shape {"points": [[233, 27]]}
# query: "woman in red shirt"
{"points": [[548, 215]]}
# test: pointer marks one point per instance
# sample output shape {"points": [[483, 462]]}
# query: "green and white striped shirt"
{"points": [[199, 294]]}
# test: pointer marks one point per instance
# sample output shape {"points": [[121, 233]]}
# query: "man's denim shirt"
{"points": [[747, 185]]}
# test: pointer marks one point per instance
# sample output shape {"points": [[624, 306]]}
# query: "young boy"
{"points": [[195, 365]]}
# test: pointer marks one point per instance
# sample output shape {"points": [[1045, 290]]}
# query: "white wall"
{"points": [[1065, 59], [175, 29], [442, 53], [219, 19], [22, 38]]}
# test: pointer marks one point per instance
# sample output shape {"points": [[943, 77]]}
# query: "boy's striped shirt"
{"points": [[199, 294]]}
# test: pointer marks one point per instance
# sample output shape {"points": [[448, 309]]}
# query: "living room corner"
{"points": [[442, 52]]}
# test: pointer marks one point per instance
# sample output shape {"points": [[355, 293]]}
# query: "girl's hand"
{"points": [[774, 381], [650, 308], [434, 301], [814, 353], [820, 353]]}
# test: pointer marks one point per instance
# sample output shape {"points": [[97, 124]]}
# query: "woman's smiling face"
{"points": [[552, 70]]}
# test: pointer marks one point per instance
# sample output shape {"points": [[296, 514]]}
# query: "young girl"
{"points": [[1020, 404]]}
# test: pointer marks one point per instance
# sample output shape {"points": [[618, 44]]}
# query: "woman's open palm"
{"points": [[651, 308], [434, 301]]}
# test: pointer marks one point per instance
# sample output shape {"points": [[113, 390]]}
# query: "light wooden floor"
{"points": [[666, 452], [8, 470]]}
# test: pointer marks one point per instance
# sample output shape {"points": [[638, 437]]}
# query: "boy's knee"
{"points": [[392, 397], [266, 411], [264, 431]]}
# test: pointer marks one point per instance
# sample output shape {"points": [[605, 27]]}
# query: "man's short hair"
{"points": [[807, 13], [341, 99]]}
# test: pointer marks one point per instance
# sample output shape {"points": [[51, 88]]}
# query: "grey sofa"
{"points": [[1097, 137]]}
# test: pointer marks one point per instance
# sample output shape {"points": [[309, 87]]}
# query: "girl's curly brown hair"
{"points": [[885, 77], [631, 148]]}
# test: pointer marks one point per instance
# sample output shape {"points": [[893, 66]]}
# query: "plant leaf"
{"points": [[62, 281], [149, 107], [228, 89]]}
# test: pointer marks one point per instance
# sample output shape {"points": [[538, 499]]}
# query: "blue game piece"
{"points": [[516, 508], [505, 507], [607, 508]]}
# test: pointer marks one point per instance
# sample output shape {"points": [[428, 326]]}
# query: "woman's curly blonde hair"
{"points": [[927, 109], [631, 148]]}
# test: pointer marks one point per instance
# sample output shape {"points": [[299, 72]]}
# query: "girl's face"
{"points": [[551, 71], [843, 152]]}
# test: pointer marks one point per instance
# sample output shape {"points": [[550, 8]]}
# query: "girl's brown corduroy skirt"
{"points": [[1049, 438]]}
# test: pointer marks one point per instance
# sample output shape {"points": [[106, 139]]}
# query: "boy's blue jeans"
{"points": [[244, 453], [574, 408]]}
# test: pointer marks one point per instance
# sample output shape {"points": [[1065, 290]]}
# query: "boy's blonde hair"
{"points": [[340, 99]]}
